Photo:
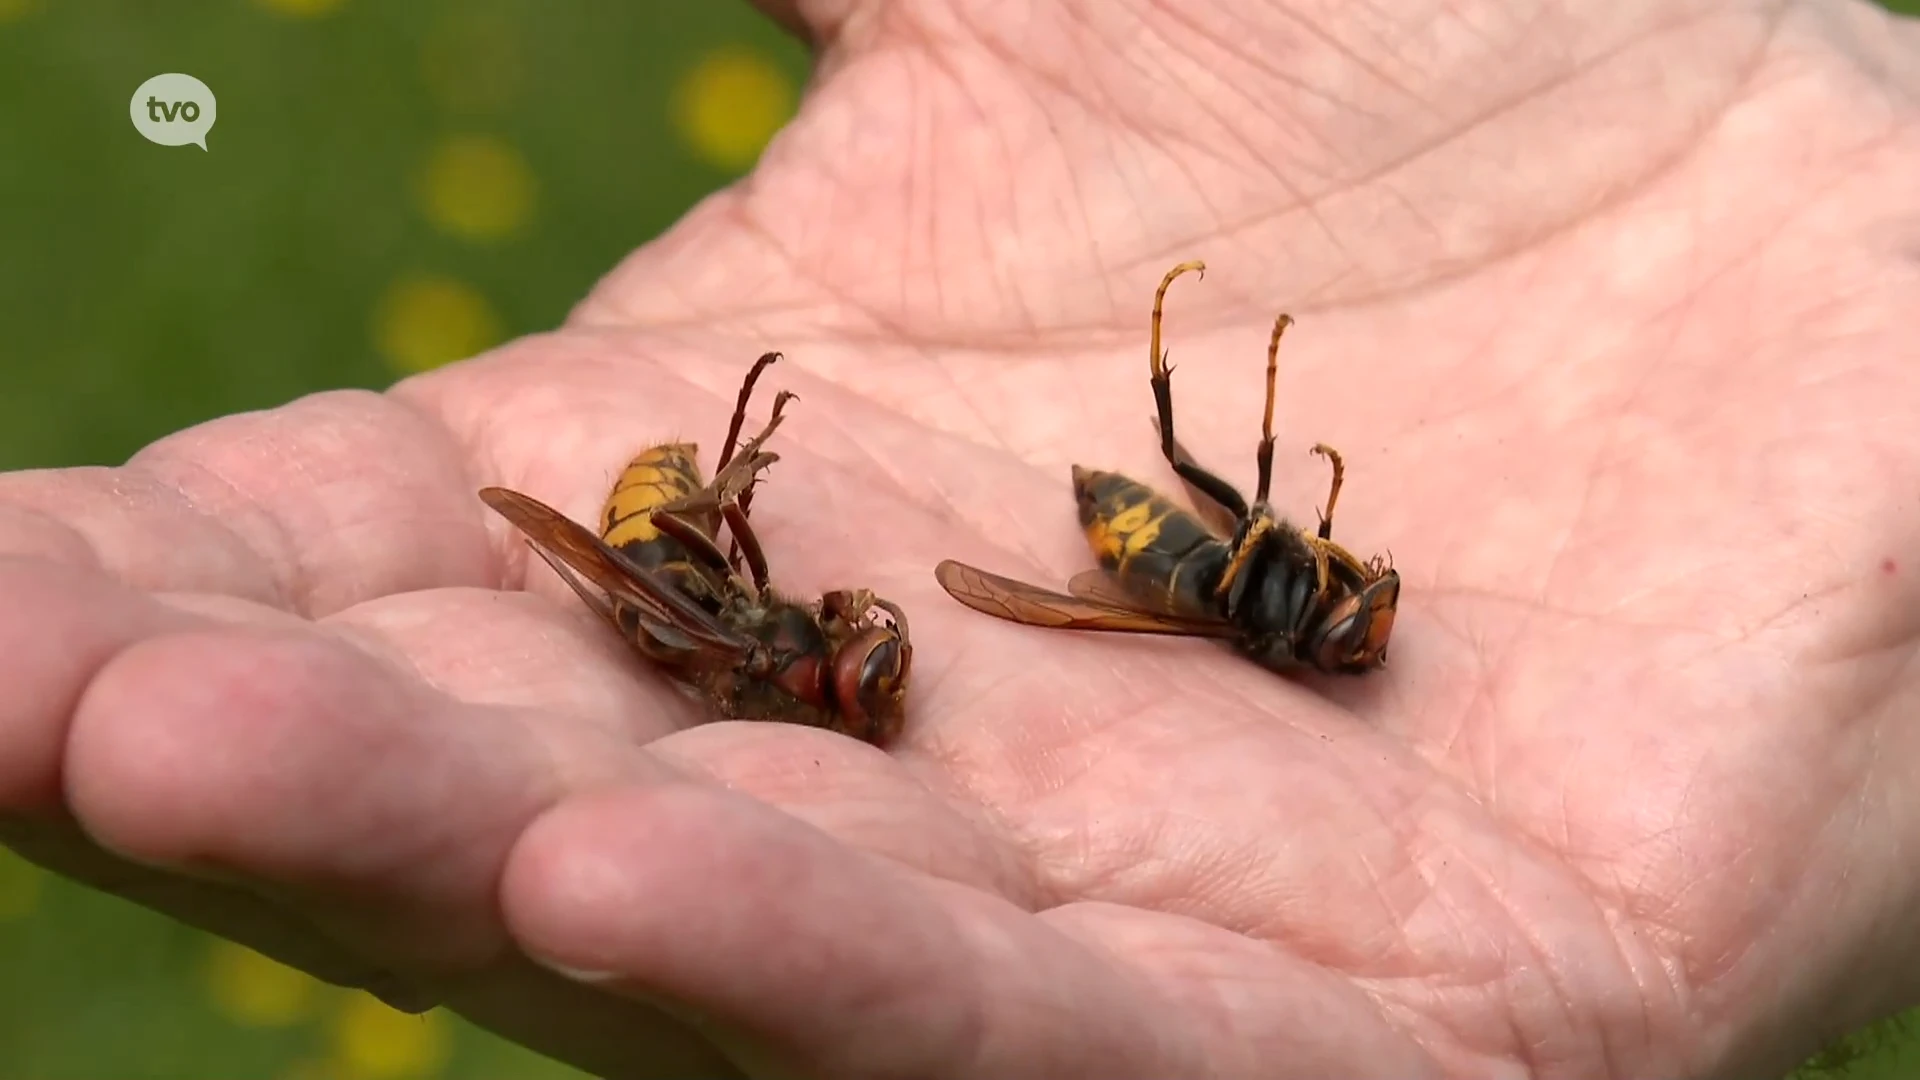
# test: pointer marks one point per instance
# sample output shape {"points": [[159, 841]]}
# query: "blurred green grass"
{"points": [[151, 288], [387, 186]]}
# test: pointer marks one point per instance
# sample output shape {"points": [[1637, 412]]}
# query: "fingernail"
{"points": [[574, 974]]}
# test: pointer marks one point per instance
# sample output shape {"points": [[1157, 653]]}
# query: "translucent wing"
{"points": [[1031, 605], [666, 614], [1101, 587]]}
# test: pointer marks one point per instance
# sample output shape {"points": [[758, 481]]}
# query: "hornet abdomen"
{"points": [[654, 478], [1158, 551]]}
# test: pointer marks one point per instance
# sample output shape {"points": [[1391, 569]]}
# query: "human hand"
{"points": [[1605, 308]]}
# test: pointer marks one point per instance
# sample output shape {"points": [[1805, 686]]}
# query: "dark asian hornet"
{"points": [[714, 624], [1284, 597]]}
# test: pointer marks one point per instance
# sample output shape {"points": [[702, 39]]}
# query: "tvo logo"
{"points": [[173, 110]]}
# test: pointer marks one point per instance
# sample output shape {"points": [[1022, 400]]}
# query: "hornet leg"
{"points": [[1333, 491], [1215, 488], [1265, 456], [740, 407], [738, 546]]}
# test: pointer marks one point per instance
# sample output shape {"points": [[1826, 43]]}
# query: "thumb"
{"points": [[799, 956]]}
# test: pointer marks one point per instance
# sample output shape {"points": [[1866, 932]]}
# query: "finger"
{"points": [[27, 532], [300, 763], [309, 507], [900, 808], [802, 957], [371, 810], [525, 652], [58, 626]]}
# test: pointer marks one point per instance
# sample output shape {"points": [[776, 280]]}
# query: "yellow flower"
{"points": [[730, 104]]}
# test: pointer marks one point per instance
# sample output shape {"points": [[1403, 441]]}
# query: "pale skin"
{"points": [[1609, 310]]}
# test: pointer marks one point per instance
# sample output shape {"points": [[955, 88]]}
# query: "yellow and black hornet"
{"points": [[710, 618], [1232, 571]]}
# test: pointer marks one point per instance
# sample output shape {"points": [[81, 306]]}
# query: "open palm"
{"points": [[1628, 801]]}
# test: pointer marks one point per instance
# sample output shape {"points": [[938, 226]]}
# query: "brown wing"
{"points": [[1217, 517], [666, 613], [1101, 587], [1031, 605]]}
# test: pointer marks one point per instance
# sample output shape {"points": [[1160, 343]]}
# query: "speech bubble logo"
{"points": [[173, 110]]}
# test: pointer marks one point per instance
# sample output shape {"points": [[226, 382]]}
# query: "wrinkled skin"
{"points": [[1609, 307]]}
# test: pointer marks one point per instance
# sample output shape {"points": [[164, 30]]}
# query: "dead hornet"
{"points": [[1280, 595], [714, 625]]}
